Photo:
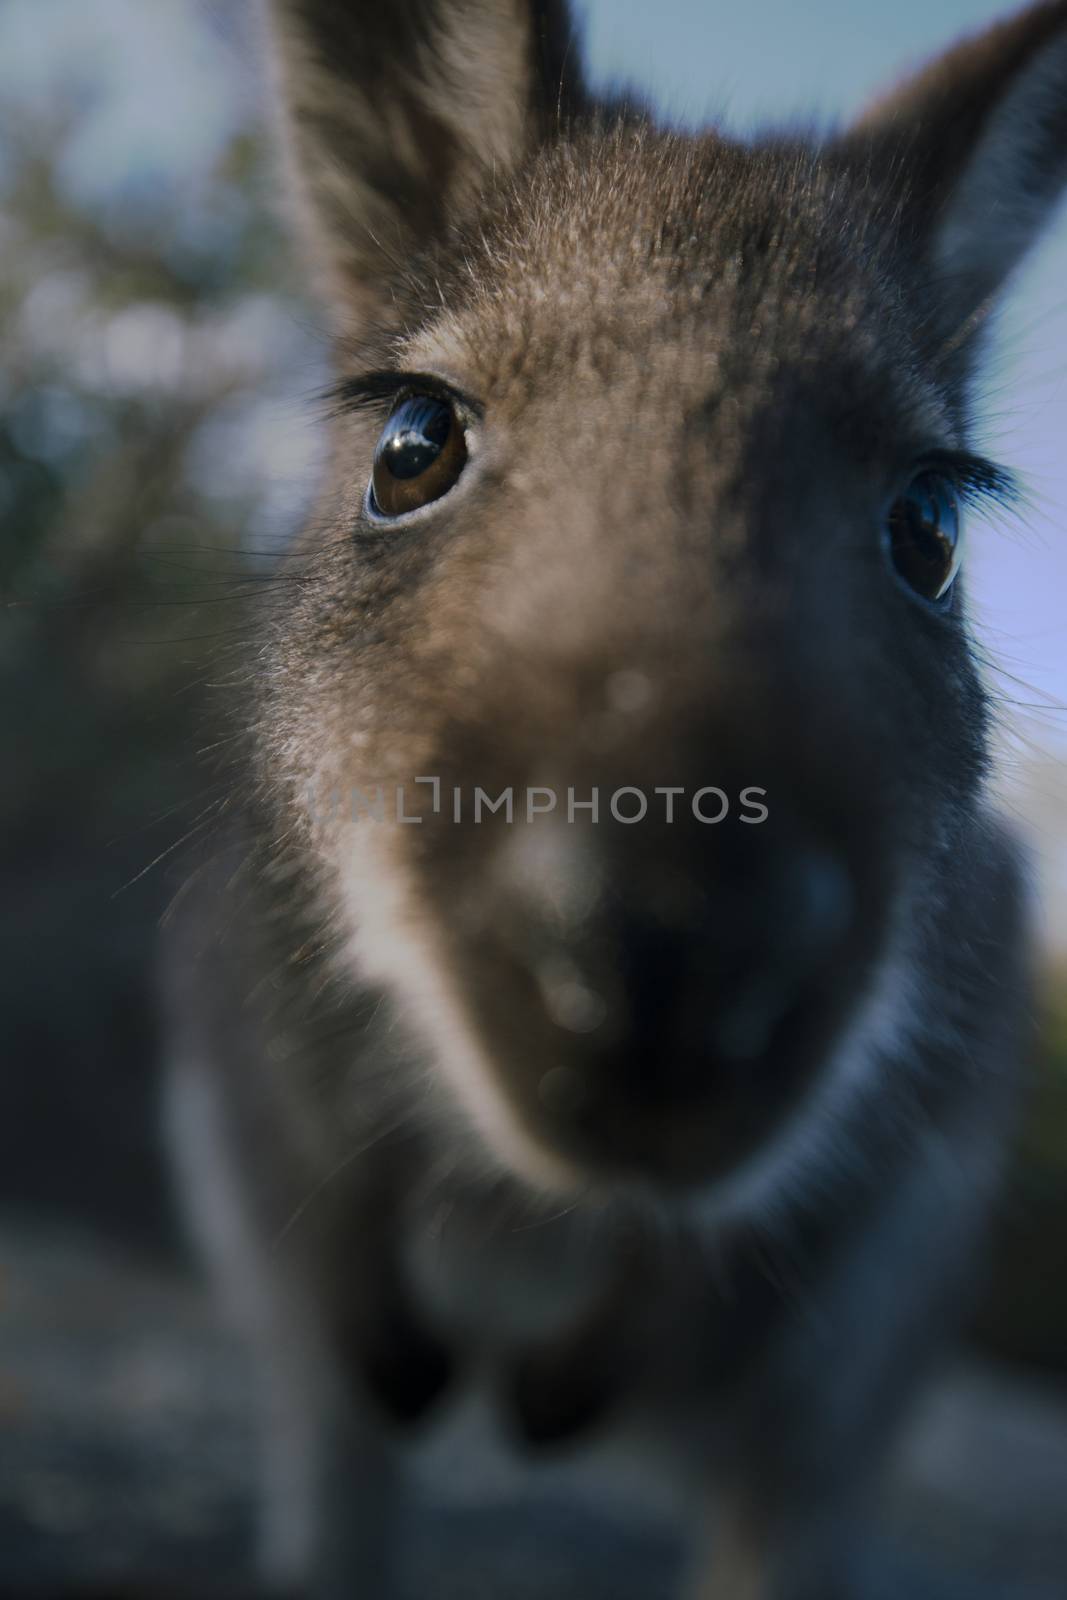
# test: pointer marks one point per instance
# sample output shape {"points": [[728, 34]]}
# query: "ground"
{"points": [[125, 1413]]}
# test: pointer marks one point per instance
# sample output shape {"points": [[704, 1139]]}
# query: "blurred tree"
{"points": [[154, 357]]}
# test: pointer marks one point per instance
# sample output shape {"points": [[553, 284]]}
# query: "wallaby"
{"points": [[612, 974]]}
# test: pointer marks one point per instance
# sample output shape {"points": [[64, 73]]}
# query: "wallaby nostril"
{"points": [[807, 909], [819, 898], [743, 1031]]}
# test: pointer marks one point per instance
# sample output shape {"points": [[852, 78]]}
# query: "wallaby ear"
{"points": [[399, 110], [977, 145]]}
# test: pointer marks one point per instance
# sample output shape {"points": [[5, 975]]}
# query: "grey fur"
{"points": [[697, 374]]}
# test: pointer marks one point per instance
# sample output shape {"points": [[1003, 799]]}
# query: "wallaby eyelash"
{"points": [[382, 390], [977, 479]]}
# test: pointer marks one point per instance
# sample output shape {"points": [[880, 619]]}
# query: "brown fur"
{"points": [[693, 376]]}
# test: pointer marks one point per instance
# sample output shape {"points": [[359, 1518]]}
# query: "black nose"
{"points": [[775, 929], [716, 989]]}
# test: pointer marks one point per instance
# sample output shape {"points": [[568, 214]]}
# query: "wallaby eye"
{"points": [[924, 536], [418, 458]]}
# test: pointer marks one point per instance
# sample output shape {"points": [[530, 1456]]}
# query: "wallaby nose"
{"points": [[780, 926], [714, 1003]]}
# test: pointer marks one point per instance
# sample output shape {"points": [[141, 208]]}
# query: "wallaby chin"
{"points": [[616, 855]]}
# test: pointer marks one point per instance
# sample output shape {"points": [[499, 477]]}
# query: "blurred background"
{"points": [[159, 401]]}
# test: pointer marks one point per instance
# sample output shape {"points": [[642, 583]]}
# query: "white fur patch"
{"points": [[393, 944]]}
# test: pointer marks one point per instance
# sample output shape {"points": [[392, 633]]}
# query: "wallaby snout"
{"points": [[658, 969], [682, 1026]]}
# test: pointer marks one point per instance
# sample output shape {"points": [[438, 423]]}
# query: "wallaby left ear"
{"points": [[976, 146], [399, 114]]}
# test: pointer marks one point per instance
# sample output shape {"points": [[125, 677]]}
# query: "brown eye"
{"points": [[419, 456], [924, 536]]}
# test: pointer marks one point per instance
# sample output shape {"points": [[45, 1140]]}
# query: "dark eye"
{"points": [[924, 536], [419, 456]]}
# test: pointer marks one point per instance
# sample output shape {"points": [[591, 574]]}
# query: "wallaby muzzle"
{"points": [[660, 946]]}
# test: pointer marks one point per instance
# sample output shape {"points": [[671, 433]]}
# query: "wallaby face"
{"points": [[689, 426], [650, 480], [706, 413]]}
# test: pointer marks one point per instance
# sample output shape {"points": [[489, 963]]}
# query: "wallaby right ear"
{"points": [[976, 147], [399, 110]]}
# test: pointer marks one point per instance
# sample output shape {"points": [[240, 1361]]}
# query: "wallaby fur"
{"points": [[752, 1079]]}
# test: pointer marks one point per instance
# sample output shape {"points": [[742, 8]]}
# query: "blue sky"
{"points": [[772, 59]]}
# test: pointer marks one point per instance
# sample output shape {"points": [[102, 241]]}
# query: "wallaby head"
{"points": [[650, 475]]}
